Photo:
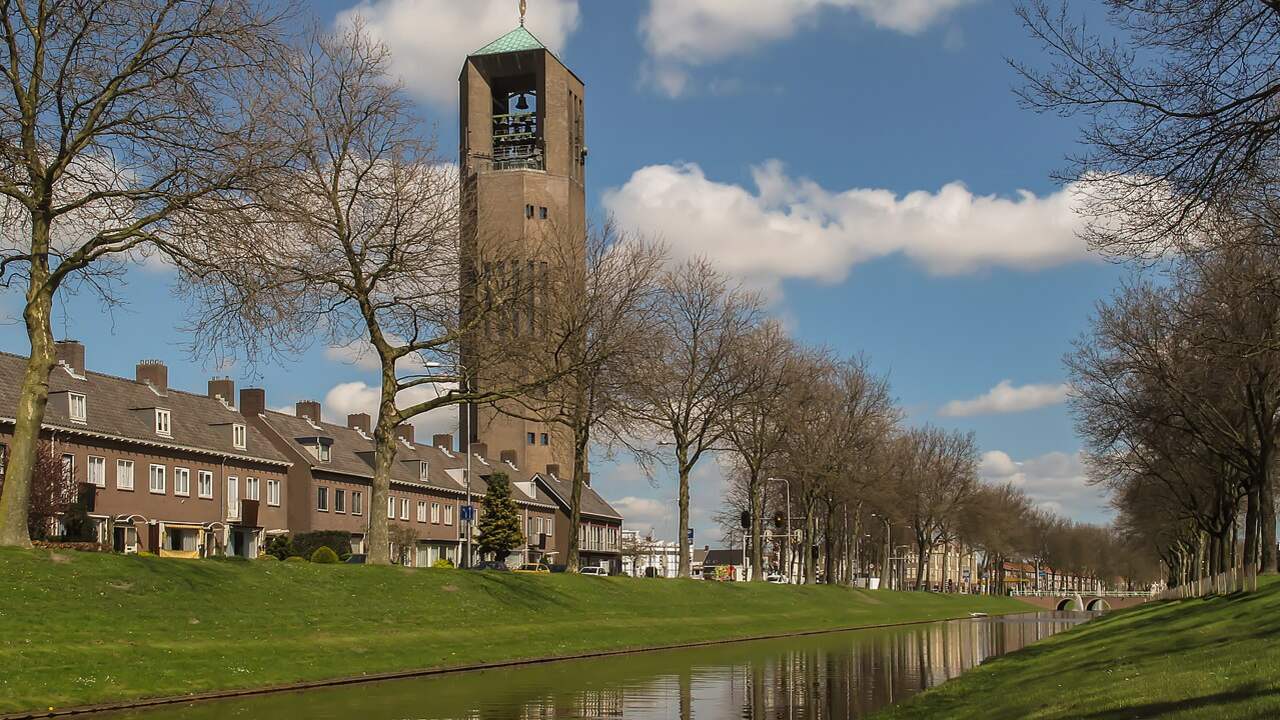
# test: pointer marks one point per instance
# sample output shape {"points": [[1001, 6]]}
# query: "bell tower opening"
{"points": [[517, 132]]}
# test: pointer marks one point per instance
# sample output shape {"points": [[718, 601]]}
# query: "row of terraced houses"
{"points": [[191, 475]]}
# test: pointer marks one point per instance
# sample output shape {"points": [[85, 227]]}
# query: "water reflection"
{"points": [[820, 677]]}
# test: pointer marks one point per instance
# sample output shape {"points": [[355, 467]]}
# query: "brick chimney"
{"points": [[153, 373], [405, 432], [71, 354], [586, 479], [253, 401], [507, 456], [309, 409], [224, 388], [443, 441], [360, 421], [480, 449], [553, 470]]}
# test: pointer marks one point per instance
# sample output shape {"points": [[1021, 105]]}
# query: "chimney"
{"points": [[405, 432], [224, 388], [508, 456], [253, 401], [71, 354], [309, 409], [553, 470], [153, 373], [444, 442], [360, 421], [586, 478], [480, 449]]}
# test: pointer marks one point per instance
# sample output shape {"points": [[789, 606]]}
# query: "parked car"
{"points": [[776, 578], [356, 559], [594, 571], [538, 568], [490, 565]]}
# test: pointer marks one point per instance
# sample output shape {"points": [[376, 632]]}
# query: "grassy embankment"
{"points": [[1213, 658], [82, 628]]}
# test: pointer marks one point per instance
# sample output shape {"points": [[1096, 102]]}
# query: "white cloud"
{"points": [[1055, 481], [642, 512], [357, 397], [430, 38], [1005, 397], [793, 228], [680, 34]]}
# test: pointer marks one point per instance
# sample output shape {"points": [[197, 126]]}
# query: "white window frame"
{"points": [[340, 500], [124, 480], [423, 471], [322, 499], [164, 422], [357, 502], [68, 467], [448, 514], [435, 513], [182, 482], [152, 475], [204, 478], [422, 511], [273, 493], [391, 508], [404, 508], [239, 436], [252, 488], [77, 411], [99, 478], [323, 453]]}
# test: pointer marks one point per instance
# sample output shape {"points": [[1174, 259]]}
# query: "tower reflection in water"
{"points": [[818, 677]]}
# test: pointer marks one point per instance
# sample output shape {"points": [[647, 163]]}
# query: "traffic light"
{"points": [[779, 520], [745, 519], [814, 548]]}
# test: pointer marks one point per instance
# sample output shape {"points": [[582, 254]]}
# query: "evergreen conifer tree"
{"points": [[500, 530]]}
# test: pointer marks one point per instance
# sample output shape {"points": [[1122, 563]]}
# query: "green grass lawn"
{"points": [[82, 628], [1214, 658]]}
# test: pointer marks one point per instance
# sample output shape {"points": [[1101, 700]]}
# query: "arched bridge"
{"points": [[1063, 600]]}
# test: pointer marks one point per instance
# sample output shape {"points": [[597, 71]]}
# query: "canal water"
{"points": [[832, 676]]}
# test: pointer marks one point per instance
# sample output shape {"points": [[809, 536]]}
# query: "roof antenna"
{"points": [[524, 7]]}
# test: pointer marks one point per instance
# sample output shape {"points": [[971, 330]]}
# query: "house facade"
{"points": [[163, 471]]}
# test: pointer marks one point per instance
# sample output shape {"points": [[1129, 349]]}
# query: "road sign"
{"points": [[966, 575], [690, 534], [467, 513]]}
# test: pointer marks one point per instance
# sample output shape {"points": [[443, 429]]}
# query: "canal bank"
{"points": [[1199, 658], [94, 628]]}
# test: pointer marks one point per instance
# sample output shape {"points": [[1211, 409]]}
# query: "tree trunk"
{"points": [[755, 503], [685, 547], [922, 555], [384, 458], [581, 438], [33, 396], [1251, 512], [829, 545], [1267, 519], [946, 555], [808, 562]]}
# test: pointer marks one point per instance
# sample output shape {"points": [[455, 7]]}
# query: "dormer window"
{"points": [[422, 471], [77, 407], [163, 426], [239, 436], [322, 452]]}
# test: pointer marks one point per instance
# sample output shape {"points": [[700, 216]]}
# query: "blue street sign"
{"points": [[690, 534], [467, 513]]}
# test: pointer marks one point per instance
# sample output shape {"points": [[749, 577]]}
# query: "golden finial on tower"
{"points": [[524, 7]]}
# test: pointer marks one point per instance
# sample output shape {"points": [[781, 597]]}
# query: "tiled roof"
{"points": [[122, 408], [517, 40], [592, 503], [716, 558]]}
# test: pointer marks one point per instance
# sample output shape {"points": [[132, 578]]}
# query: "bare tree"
{"points": [[690, 383], [937, 472], [755, 426], [599, 315], [1181, 115], [367, 246], [124, 124]]}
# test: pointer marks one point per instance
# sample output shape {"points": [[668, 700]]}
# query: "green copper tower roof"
{"points": [[515, 41]]}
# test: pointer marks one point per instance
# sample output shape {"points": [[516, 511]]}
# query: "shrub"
{"points": [[272, 558], [324, 556], [442, 563], [295, 559], [280, 547], [305, 544], [144, 553]]}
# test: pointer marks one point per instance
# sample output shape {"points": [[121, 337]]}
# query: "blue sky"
{"points": [[863, 162]]}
